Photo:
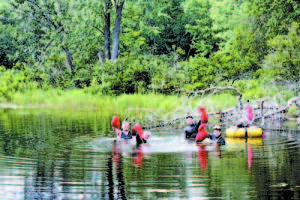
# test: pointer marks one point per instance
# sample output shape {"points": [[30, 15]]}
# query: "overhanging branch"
{"points": [[45, 15], [5, 19], [220, 89]]}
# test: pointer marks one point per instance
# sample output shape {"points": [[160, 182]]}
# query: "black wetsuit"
{"points": [[124, 136], [242, 124], [139, 140], [220, 140], [191, 130]]}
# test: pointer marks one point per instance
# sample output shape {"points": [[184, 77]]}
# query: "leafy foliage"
{"points": [[283, 62], [164, 45]]}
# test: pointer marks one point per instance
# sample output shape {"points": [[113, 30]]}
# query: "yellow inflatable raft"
{"points": [[235, 132], [235, 142]]}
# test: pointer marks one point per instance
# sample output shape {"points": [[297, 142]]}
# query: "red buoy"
{"points": [[204, 115], [115, 122], [202, 133], [139, 130]]}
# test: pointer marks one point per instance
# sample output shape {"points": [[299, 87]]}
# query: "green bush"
{"points": [[202, 72], [11, 81]]}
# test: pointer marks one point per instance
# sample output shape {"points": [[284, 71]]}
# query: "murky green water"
{"points": [[58, 155]]}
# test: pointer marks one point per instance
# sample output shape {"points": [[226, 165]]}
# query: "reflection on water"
{"points": [[48, 157]]}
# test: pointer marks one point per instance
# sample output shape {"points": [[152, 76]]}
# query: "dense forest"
{"points": [[114, 47]]}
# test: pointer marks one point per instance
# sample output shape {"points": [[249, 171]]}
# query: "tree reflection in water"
{"points": [[44, 157], [115, 160]]}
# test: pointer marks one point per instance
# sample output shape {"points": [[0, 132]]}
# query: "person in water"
{"points": [[136, 131], [249, 113], [246, 122], [141, 136], [125, 133], [217, 136], [191, 130]]}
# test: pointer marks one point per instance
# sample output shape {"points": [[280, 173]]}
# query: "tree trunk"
{"points": [[101, 58], [69, 58], [119, 8], [153, 47], [108, 6]]}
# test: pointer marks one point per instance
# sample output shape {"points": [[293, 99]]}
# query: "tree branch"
{"points": [[40, 22], [220, 88], [60, 11], [48, 19], [289, 104], [5, 19], [98, 29]]}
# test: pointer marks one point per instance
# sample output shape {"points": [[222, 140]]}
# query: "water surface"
{"points": [[56, 155]]}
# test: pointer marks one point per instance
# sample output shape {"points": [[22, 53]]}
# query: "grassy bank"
{"points": [[80, 99], [78, 105]]}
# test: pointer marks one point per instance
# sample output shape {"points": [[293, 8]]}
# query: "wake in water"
{"points": [[155, 145]]}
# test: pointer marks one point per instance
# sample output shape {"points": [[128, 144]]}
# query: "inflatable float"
{"points": [[250, 132], [241, 141]]}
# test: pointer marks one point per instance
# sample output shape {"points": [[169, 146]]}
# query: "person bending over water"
{"points": [[141, 136], [217, 136]]}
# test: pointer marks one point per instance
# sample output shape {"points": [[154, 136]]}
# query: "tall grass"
{"points": [[80, 106], [77, 99], [165, 106]]}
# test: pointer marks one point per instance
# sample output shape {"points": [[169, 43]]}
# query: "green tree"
{"points": [[99, 15], [283, 61], [8, 28], [273, 17], [226, 15], [44, 24], [202, 72], [200, 26], [7, 46], [164, 27]]}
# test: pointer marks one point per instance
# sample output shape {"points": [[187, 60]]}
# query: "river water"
{"points": [[66, 155]]}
